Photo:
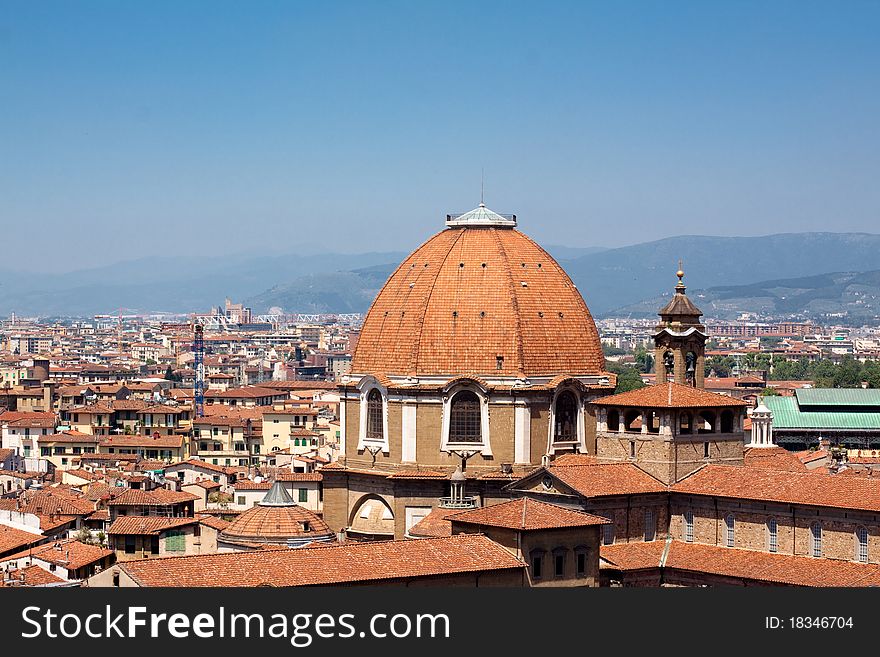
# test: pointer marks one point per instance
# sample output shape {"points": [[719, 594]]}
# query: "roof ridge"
{"points": [[417, 344], [520, 353]]}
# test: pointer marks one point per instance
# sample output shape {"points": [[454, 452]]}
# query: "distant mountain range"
{"points": [[736, 273], [856, 294], [183, 284]]}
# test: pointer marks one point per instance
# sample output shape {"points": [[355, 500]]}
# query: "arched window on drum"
{"points": [[375, 416], [465, 421], [565, 417]]}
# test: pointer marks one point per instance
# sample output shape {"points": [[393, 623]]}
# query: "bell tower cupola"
{"points": [[680, 340]]}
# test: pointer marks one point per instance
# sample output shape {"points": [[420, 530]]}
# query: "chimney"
{"points": [[48, 388]]}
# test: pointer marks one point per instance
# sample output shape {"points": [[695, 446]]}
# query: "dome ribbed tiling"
{"points": [[479, 300]]}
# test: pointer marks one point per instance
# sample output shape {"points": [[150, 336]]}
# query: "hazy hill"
{"points": [[617, 278], [855, 293], [173, 284], [611, 280]]}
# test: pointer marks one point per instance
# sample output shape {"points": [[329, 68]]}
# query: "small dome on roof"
{"points": [[277, 519]]}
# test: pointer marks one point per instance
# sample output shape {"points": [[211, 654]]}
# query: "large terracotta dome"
{"points": [[479, 299]]}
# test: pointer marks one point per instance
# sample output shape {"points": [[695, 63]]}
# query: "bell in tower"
{"points": [[680, 340]]}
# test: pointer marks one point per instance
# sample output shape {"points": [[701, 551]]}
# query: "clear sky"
{"points": [[132, 129]]}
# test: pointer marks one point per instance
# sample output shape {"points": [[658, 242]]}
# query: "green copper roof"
{"points": [[787, 414], [852, 397]]}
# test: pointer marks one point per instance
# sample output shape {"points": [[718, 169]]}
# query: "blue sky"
{"points": [[134, 129]]}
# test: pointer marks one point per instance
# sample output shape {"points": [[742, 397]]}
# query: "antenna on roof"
{"points": [[482, 180]]}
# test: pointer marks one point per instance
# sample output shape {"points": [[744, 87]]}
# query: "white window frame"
{"points": [[367, 385], [485, 447], [688, 521], [772, 535], [862, 545], [816, 539], [730, 530]]}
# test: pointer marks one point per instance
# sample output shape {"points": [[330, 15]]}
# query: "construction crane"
{"points": [[199, 363]]}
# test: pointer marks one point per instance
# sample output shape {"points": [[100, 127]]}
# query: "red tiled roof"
{"points": [[157, 497], [527, 515], [434, 525], [212, 521], [767, 567], [13, 539], [69, 437], [336, 564], [775, 458], [670, 395], [147, 525], [276, 523], [203, 483], [632, 556], [806, 488], [30, 576], [606, 479], [69, 553], [16, 416]]}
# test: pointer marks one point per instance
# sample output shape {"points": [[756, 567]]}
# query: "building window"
{"points": [[129, 544], [689, 526], [175, 541], [650, 525], [537, 564], [565, 417], [241, 501], [816, 536], [772, 535], [729, 530], [464, 419], [375, 419], [608, 534], [303, 495], [862, 544], [705, 450], [154, 545], [581, 563], [559, 564], [632, 449]]}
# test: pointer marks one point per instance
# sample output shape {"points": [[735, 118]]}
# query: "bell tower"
{"points": [[680, 340]]}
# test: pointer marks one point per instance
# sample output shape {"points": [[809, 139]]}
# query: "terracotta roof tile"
{"points": [[632, 556], [767, 567], [469, 295], [775, 458], [670, 395], [807, 488], [156, 497], [15, 539], [30, 576], [147, 525], [526, 514], [69, 553], [336, 564], [606, 479], [434, 525]]}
